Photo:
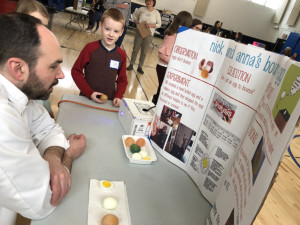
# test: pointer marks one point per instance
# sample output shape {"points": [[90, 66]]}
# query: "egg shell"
{"points": [[129, 141], [109, 203], [136, 156], [141, 142], [103, 97], [143, 153], [110, 219]]}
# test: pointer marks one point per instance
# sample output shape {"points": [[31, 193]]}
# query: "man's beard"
{"points": [[34, 88]]}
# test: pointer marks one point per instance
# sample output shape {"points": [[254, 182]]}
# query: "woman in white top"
{"points": [[152, 20]]}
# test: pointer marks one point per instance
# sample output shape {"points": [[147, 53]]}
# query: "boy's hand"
{"points": [[116, 102], [95, 98]]}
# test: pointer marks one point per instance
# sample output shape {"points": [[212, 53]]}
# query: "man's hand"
{"points": [[77, 146], [95, 99], [60, 163], [116, 102], [60, 178], [60, 182]]}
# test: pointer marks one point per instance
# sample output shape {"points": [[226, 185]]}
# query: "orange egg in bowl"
{"points": [[129, 141], [141, 142]]}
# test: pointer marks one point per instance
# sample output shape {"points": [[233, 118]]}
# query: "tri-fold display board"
{"points": [[225, 115]]}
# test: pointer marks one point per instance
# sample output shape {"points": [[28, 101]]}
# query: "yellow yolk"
{"points": [[106, 184], [147, 158]]}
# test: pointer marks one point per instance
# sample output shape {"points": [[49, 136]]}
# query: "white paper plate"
{"points": [[96, 195], [147, 148]]}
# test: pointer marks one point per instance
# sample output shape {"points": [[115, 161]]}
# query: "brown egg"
{"points": [[129, 141], [110, 219], [103, 97], [141, 142]]}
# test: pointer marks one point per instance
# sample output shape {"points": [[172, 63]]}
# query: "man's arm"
{"points": [[60, 178], [60, 164]]}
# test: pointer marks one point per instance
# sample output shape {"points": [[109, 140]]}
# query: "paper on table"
{"points": [[144, 31], [96, 196]]}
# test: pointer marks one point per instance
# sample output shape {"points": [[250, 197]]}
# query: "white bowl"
{"points": [[148, 148]]}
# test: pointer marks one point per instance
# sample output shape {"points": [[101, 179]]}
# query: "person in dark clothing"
{"points": [[99, 9], [91, 14], [216, 28], [238, 37]]}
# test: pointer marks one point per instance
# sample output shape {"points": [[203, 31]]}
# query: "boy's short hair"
{"points": [[115, 14]]}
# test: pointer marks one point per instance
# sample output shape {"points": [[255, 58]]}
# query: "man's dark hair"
{"points": [[19, 38]]}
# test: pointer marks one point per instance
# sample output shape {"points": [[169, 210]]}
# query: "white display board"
{"points": [[225, 114]]}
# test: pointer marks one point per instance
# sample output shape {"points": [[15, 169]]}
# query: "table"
{"points": [[158, 194], [77, 16]]}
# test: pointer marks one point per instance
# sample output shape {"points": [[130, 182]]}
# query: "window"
{"points": [[274, 4]]}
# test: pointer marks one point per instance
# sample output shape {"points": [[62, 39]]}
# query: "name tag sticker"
{"points": [[114, 64]]}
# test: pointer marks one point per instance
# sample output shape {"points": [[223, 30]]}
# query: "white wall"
{"points": [[237, 15]]}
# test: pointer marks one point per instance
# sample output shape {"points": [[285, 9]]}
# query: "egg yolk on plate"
{"points": [[106, 184]]}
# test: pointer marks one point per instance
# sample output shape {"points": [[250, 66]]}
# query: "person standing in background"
{"points": [[125, 8], [39, 11], [99, 9], [294, 56], [216, 30], [183, 18], [197, 25], [91, 14], [229, 35], [238, 37], [287, 51], [152, 18]]}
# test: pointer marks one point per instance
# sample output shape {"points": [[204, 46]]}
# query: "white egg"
{"points": [[109, 203], [136, 156], [106, 185], [143, 153]]}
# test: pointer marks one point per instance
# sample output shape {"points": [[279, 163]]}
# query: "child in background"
{"points": [[101, 66], [197, 25], [98, 11], [39, 11], [91, 14], [183, 18]]}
